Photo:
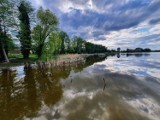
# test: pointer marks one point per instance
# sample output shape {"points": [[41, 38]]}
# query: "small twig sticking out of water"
{"points": [[104, 87], [104, 84], [104, 80]]}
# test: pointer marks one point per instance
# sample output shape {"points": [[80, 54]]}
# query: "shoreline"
{"points": [[58, 60]]}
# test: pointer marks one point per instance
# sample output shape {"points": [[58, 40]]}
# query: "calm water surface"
{"points": [[125, 87]]}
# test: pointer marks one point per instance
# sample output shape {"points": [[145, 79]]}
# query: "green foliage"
{"points": [[93, 48], [47, 18], [138, 50], [6, 14], [9, 44], [147, 50], [65, 44], [25, 32], [6, 21], [47, 40], [78, 44], [33, 56], [53, 46], [38, 42], [47, 21]]}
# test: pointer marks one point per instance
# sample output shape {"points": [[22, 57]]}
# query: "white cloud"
{"points": [[131, 37], [113, 23], [38, 3]]}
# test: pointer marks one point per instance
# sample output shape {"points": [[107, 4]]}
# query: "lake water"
{"points": [[123, 87]]}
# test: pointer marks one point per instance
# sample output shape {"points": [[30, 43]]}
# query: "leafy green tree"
{"points": [[53, 46], [25, 32], [47, 21], [138, 50], [6, 21], [9, 44], [78, 44], [65, 44], [89, 47], [147, 50]]}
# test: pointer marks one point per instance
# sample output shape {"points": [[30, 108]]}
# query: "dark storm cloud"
{"points": [[155, 21], [149, 37], [119, 16], [79, 2]]}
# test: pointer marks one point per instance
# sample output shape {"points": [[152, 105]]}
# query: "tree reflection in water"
{"points": [[24, 97]]}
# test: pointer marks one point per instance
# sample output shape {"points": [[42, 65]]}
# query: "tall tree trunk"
{"points": [[39, 52], [5, 55]]}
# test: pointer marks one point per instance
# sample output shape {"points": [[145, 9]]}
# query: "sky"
{"points": [[112, 23]]}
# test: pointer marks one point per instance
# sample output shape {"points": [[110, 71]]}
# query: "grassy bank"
{"points": [[17, 59]]}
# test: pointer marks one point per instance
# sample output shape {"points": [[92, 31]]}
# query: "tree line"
{"points": [[43, 37], [138, 50]]}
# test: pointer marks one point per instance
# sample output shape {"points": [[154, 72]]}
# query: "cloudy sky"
{"points": [[113, 23]]}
